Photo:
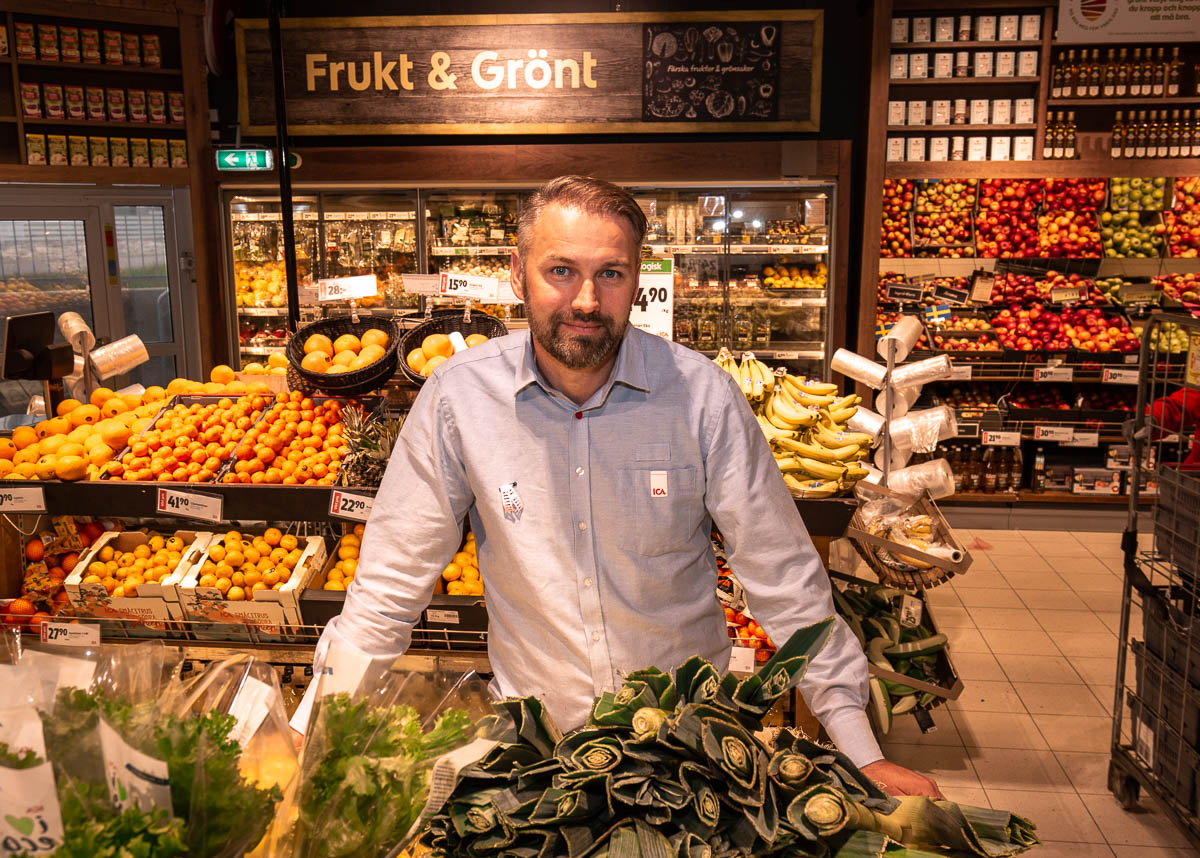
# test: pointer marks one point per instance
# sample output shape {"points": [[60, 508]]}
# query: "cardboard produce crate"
{"points": [[156, 602], [270, 611]]}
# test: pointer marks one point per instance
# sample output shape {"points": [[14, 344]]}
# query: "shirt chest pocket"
{"points": [[662, 508]]}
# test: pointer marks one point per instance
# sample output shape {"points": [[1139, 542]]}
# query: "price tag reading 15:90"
{"points": [[349, 505]]}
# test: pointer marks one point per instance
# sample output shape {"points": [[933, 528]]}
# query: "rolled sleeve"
{"points": [[786, 585]]}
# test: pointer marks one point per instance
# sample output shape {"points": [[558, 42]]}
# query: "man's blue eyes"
{"points": [[563, 271]]}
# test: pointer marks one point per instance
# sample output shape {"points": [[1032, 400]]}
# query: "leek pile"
{"points": [[672, 769]]}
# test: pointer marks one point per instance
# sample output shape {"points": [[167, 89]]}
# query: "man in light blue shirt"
{"points": [[592, 460]]}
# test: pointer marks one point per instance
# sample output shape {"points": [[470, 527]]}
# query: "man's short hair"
{"points": [[594, 196]]}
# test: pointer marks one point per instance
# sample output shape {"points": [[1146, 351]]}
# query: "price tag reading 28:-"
{"points": [[349, 505], [188, 505]]}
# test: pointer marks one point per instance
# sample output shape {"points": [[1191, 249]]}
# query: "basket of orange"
{"points": [[428, 345], [345, 357]]}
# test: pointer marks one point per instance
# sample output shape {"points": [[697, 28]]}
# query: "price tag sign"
{"points": [[968, 430], [911, 611], [1137, 293], [654, 300], [905, 292], [347, 288], [1119, 376], [1054, 373], [1083, 439], [951, 295], [811, 248], [1001, 439], [189, 505], [1066, 295], [982, 283], [455, 285], [71, 634], [23, 499], [349, 505], [960, 372], [787, 355], [741, 659], [1053, 433]]}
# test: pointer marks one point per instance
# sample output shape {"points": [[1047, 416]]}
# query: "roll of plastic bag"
{"points": [[922, 372], [945, 552], [902, 337], [124, 355], [902, 400], [77, 332], [859, 368], [900, 457], [934, 476], [922, 430], [867, 421]]}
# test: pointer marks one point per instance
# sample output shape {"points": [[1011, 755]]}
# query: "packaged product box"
{"points": [[155, 602], [35, 149], [899, 31], [270, 610], [115, 97], [98, 146], [118, 151], [139, 152], [939, 149], [1096, 481], [114, 48], [56, 150], [3, 41], [131, 49], [175, 108], [48, 42], [68, 44], [985, 28], [1031, 27], [77, 148], [159, 153], [915, 150], [895, 149], [52, 98], [89, 44], [922, 29], [918, 65], [1058, 478], [136, 100], [26, 41], [94, 96], [896, 112], [76, 107], [156, 106], [943, 29], [151, 51], [916, 113], [178, 149], [31, 101]]}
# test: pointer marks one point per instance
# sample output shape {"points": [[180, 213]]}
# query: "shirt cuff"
{"points": [[299, 721], [850, 730]]}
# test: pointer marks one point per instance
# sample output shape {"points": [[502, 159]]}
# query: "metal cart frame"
{"points": [[1156, 704]]}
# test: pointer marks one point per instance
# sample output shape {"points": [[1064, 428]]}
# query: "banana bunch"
{"points": [[805, 423], [915, 531]]}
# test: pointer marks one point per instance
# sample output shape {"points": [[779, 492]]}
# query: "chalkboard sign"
{"points": [[950, 295], [647, 72], [711, 72], [904, 292]]}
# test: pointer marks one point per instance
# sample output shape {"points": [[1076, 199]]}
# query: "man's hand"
{"points": [[897, 780]]}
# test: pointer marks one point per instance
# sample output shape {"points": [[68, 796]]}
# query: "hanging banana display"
{"points": [[804, 421]]}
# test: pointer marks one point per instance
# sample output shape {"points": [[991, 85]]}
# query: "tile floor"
{"points": [[1033, 630]]}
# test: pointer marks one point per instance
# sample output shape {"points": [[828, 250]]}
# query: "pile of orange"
{"points": [[345, 354], [435, 350], [239, 566], [189, 443], [461, 575], [122, 572], [298, 442], [344, 568]]}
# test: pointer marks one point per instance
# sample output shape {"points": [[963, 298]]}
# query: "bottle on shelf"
{"points": [[1189, 137], [1164, 137], [1109, 86], [1140, 136], [1159, 85], [1094, 75], [1056, 78], [1038, 481], [1082, 75], [1117, 141], [1174, 72], [973, 470], [1069, 150], [1070, 72], [991, 471], [1148, 74], [1152, 135], [1122, 85], [1060, 137], [1135, 73], [1004, 470], [1174, 136], [1048, 139], [1015, 468]]}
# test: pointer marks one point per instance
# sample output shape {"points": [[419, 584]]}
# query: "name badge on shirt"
{"points": [[658, 484], [511, 501]]}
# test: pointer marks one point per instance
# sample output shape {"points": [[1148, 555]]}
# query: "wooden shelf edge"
{"points": [[961, 129], [48, 64], [942, 46], [1026, 496], [956, 81], [1149, 102], [1038, 169], [147, 128], [95, 175]]}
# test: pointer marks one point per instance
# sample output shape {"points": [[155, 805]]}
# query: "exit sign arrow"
{"points": [[245, 159]]}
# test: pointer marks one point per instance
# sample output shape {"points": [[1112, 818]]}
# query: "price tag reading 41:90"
{"points": [[189, 505], [349, 505]]}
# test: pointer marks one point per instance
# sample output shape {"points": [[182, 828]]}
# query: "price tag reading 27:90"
{"points": [[349, 505]]}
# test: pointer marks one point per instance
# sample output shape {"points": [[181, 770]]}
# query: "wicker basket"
{"points": [[356, 382], [446, 322]]}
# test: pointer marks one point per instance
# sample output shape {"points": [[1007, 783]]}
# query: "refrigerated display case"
{"points": [[750, 263]]}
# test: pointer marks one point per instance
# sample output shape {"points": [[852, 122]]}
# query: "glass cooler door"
{"points": [[370, 233], [473, 232]]}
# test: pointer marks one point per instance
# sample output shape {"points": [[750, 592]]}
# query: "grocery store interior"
{"points": [[948, 252]]}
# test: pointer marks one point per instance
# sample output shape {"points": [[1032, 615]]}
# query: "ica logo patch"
{"points": [[658, 484]]}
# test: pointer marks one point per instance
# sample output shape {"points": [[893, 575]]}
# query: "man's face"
{"points": [[578, 281]]}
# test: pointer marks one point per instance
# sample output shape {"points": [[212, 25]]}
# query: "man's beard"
{"points": [[573, 350]]}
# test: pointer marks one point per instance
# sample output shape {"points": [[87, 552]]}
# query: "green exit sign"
{"points": [[245, 159]]}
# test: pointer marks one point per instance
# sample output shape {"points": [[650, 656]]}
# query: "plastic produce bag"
{"points": [[373, 738]]}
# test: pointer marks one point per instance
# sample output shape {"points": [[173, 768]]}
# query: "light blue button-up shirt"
{"points": [[598, 561]]}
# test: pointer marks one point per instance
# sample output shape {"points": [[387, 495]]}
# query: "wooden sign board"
{"points": [[666, 72]]}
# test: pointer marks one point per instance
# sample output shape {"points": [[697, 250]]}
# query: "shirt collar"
{"points": [[630, 369]]}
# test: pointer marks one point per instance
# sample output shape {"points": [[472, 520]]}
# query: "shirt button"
{"points": [[587, 582], [578, 415], [579, 471], [583, 525], [595, 636]]}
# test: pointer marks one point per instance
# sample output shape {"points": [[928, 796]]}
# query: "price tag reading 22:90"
{"points": [[349, 505]]}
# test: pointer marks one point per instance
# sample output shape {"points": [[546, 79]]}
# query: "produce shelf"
{"points": [[1025, 496], [1081, 168]]}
